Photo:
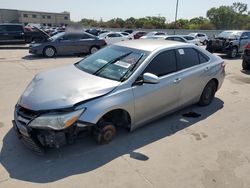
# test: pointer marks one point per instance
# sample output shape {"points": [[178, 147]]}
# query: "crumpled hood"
{"points": [[62, 88]]}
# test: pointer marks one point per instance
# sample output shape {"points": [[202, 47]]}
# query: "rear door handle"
{"points": [[177, 80]]}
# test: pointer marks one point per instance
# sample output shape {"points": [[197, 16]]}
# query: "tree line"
{"points": [[235, 16]]}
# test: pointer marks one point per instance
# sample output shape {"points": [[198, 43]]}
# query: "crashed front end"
{"points": [[220, 45], [51, 129]]}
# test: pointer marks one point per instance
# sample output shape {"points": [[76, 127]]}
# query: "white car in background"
{"points": [[128, 35], [154, 33], [201, 36], [178, 38], [113, 37], [191, 39]]}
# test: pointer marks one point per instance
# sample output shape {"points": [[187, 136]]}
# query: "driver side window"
{"points": [[163, 64]]}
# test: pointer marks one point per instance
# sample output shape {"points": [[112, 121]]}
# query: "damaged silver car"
{"points": [[124, 85]]}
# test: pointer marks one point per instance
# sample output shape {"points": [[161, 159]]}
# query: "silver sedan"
{"points": [[124, 85]]}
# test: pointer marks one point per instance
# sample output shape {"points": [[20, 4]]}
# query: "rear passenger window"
{"points": [[162, 64], [203, 58], [187, 57], [14, 28], [85, 36], [2, 28]]}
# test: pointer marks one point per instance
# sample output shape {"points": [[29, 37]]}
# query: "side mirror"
{"points": [[149, 78]]}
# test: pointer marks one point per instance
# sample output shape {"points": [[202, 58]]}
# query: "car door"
{"points": [[244, 40], [3, 34], [68, 44], [152, 100], [194, 69], [84, 43], [15, 34]]}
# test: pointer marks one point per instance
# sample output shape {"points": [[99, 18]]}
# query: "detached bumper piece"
{"points": [[29, 142]]}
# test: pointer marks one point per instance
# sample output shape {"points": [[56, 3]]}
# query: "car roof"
{"points": [[150, 45]]}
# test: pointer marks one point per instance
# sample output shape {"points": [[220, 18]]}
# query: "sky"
{"points": [[108, 9]]}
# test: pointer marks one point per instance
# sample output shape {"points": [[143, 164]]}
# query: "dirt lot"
{"points": [[212, 151]]}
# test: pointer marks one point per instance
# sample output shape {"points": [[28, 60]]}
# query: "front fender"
{"points": [[118, 99]]}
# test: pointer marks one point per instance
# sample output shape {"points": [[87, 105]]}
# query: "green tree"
{"points": [[229, 17]]}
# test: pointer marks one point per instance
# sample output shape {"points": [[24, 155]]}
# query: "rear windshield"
{"points": [[113, 62]]}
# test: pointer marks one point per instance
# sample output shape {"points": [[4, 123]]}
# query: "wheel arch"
{"points": [[120, 117]]}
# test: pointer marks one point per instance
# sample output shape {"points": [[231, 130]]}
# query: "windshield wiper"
{"points": [[111, 62]]}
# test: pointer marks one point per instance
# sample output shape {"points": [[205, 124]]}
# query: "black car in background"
{"points": [[246, 58], [17, 34]]}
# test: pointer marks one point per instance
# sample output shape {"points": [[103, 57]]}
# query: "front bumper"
{"points": [[33, 51], [27, 139], [219, 46], [38, 140]]}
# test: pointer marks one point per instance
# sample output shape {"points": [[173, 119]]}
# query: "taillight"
{"points": [[104, 42], [223, 65], [248, 46]]}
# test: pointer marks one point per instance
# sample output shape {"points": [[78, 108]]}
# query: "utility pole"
{"points": [[176, 13]]}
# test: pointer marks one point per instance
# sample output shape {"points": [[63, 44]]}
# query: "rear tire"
{"points": [[49, 51], [105, 133], [93, 49], [233, 52], [245, 65], [208, 93]]}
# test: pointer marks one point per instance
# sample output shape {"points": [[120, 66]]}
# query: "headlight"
{"points": [[56, 121]]}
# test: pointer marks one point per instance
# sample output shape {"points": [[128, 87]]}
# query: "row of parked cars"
{"points": [[51, 41]]}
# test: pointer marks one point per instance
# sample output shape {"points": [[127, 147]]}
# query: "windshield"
{"points": [[113, 62], [230, 34], [57, 36], [188, 37]]}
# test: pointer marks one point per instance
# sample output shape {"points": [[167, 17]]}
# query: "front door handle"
{"points": [[177, 80], [206, 69]]}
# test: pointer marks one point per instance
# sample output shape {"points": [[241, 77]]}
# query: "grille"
{"points": [[24, 116]]}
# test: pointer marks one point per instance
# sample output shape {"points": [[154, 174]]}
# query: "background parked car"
{"points": [[129, 36], [93, 31], [192, 40], [16, 34], [178, 38], [130, 31], [201, 36], [67, 44], [229, 42], [138, 34], [154, 33], [113, 37], [103, 31], [246, 58]]}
